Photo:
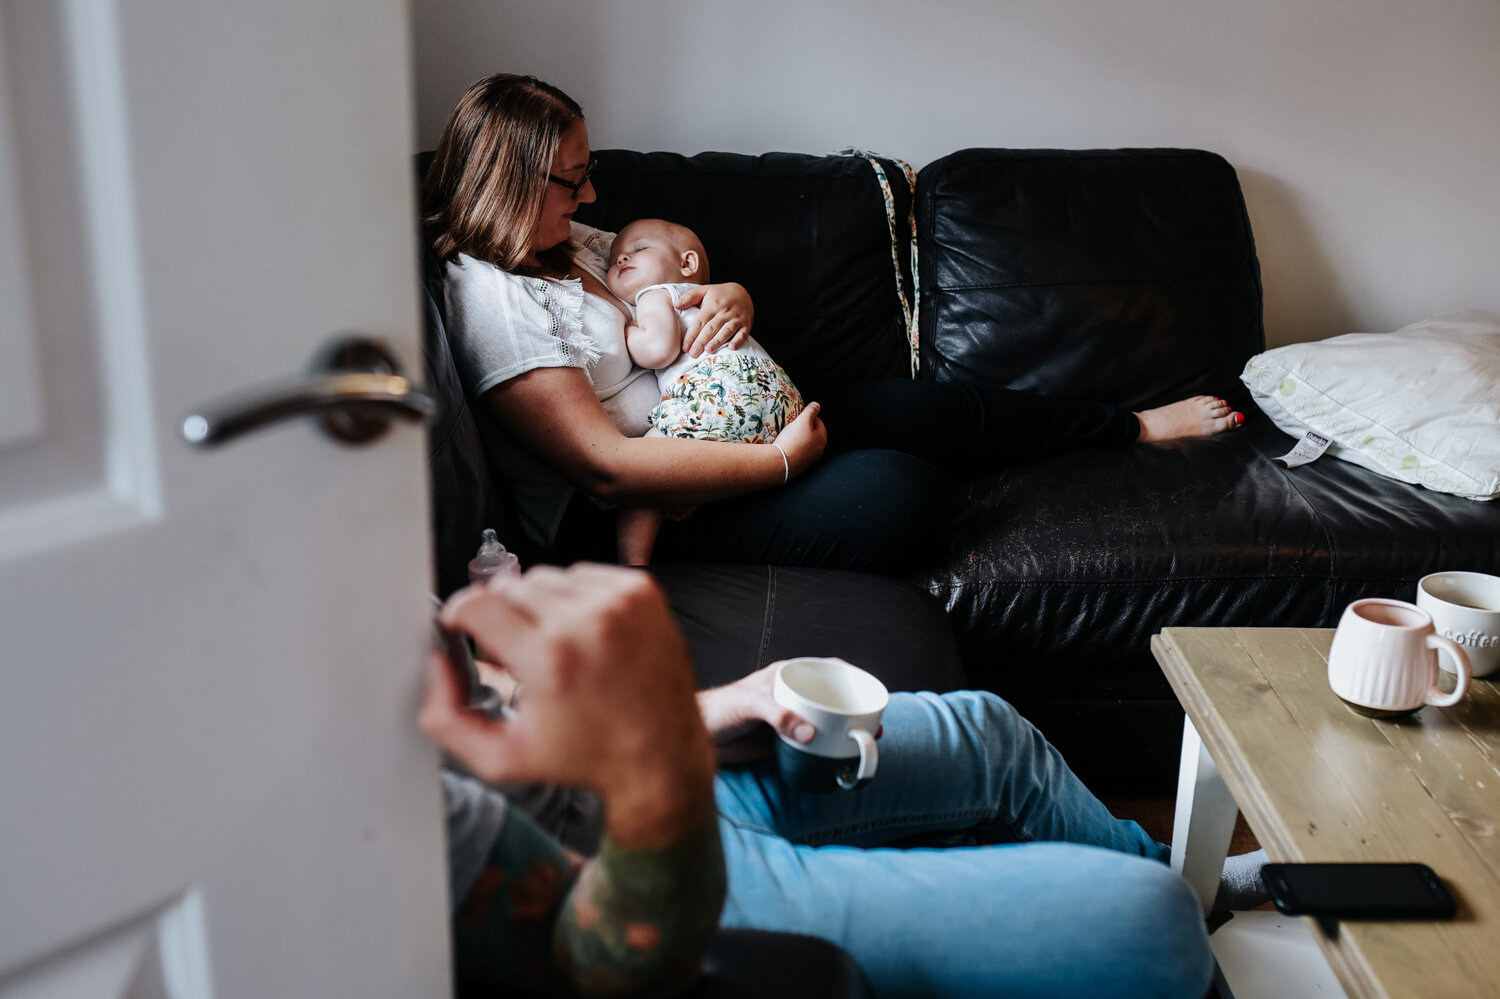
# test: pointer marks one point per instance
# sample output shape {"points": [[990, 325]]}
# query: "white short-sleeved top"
{"points": [[502, 325]]}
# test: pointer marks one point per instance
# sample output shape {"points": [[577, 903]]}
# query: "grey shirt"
{"points": [[476, 812]]}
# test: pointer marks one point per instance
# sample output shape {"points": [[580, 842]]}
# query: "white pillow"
{"points": [[1421, 404]]}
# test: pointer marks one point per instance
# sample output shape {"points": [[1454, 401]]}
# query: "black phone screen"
{"points": [[1359, 891]]}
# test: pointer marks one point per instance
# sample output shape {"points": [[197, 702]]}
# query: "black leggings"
{"points": [[873, 502], [959, 426]]}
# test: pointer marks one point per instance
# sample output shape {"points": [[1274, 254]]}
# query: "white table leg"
{"points": [[1204, 820]]}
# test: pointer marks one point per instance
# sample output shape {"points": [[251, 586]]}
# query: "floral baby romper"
{"points": [[729, 395]]}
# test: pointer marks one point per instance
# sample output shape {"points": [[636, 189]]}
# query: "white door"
{"points": [[210, 781]]}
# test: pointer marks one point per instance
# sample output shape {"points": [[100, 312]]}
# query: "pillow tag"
{"points": [[1309, 448]]}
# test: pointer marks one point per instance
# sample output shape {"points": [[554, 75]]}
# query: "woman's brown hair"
{"points": [[484, 190]]}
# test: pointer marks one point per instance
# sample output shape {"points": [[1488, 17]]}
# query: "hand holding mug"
{"points": [[844, 704], [744, 719]]}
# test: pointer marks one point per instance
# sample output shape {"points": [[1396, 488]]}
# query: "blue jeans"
{"points": [[1058, 899]]}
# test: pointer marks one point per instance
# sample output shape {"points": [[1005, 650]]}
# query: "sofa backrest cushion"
{"points": [[806, 235], [1127, 275]]}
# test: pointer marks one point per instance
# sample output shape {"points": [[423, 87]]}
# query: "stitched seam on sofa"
{"points": [[1176, 279], [1093, 155], [1252, 260], [954, 173], [937, 588], [1333, 556], [766, 620], [853, 173]]}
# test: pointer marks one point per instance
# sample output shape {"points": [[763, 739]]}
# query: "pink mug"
{"points": [[1384, 659]]}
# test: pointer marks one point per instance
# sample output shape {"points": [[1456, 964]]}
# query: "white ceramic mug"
{"points": [[844, 703], [1384, 659], [1465, 606]]}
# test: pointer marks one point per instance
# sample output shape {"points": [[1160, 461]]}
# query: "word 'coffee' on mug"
{"points": [[1471, 639], [1465, 607]]}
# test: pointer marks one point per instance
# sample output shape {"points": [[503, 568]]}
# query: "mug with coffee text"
{"points": [[1465, 606], [844, 704], [1384, 659]]}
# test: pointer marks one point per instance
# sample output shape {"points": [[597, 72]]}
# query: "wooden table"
{"points": [[1318, 782]]}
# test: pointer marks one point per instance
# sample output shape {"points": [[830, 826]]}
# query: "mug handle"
{"points": [[1440, 700], [868, 757]]}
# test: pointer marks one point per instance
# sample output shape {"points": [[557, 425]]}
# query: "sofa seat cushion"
{"points": [[1074, 562], [1059, 572], [739, 618]]}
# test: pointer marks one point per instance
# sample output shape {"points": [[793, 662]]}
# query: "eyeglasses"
{"points": [[573, 188]]}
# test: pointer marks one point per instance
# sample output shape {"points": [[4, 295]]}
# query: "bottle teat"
{"points": [[492, 559]]}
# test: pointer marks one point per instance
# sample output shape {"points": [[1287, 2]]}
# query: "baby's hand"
{"points": [[803, 439]]}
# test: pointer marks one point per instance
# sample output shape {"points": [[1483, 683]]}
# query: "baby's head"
{"points": [[654, 251]]}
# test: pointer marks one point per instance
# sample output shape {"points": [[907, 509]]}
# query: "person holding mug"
{"points": [[1051, 895]]}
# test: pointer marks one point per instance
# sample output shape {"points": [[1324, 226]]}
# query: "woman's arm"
{"points": [[554, 413]]}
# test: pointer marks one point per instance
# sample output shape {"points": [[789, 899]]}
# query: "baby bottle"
{"points": [[492, 560]]}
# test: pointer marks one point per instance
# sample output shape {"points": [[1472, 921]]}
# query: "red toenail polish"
{"points": [[1239, 418]]}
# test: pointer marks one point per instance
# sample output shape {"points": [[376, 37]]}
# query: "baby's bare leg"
{"points": [[1199, 416], [637, 528]]}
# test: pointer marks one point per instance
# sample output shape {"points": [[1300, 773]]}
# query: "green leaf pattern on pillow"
{"points": [[1276, 388]]}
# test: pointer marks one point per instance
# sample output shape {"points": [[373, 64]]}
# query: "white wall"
{"points": [[1364, 131]]}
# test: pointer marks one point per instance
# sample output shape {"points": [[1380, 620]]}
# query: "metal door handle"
{"points": [[354, 386]]}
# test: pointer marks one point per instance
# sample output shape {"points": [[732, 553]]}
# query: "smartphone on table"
{"points": [[1359, 890]]}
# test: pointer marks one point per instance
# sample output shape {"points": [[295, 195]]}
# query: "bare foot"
{"points": [[1199, 416]]}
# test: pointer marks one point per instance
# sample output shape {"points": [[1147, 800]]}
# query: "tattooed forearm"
{"points": [[640, 919], [539, 921]]}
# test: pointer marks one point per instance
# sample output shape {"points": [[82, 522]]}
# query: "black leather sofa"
{"points": [[1125, 275]]}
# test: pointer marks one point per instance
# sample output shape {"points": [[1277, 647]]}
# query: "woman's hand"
{"points": [[723, 320], [741, 717], [803, 440]]}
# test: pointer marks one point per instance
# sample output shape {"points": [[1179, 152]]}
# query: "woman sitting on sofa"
{"points": [[540, 343]]}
